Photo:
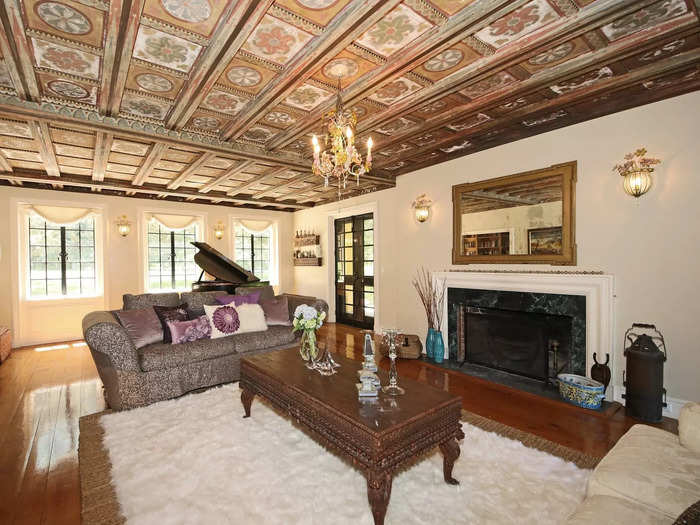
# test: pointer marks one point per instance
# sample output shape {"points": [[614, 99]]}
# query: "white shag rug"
{"points": [[196, 460]]}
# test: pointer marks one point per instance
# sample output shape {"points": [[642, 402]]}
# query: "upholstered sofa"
{"points": [[650, 477], [159, 371]]}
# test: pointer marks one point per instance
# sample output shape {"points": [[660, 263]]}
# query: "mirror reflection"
{"points": [[515, 218]]}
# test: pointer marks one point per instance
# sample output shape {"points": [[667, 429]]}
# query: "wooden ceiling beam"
{"points": [[120, 35], [234, 27], [150, 189], [103, 145], [152, 158], [191, 170], [234, 170], [21, 56], [6, 47], [353, 20], [550, 35], [256, 180], [42, 137], [282, 188], [4, 163], [468, 21]]}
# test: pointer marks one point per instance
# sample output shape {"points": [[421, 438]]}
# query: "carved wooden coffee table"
{"points": [[378, 438]]}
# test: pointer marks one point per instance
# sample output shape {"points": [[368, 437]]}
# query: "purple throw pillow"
{"points": [[237, 300], [142, 326], [276, 311], [170, 313], [192, 330]]}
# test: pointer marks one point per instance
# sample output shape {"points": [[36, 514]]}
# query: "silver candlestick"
{"points": [[393, 388]]}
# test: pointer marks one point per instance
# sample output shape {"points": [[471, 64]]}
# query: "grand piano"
{"points": [[227, 274]]}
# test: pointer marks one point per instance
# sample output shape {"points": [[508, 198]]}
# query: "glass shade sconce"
{"points": [[421, 207], [123, 225], [219, 230], [636, 171]]}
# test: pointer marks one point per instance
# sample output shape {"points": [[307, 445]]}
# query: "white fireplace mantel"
{"points": [[597, 288]]}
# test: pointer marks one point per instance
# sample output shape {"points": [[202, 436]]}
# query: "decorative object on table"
{"points": [[219, 230], [581, 391], [5, 343], [408, 347], [637, 170], [341, 160], [393, 389], [421, 207], [643, 378], [307, 249], [432, 294], [369, 384], [307, 320], [123, 225], [601, 371]]}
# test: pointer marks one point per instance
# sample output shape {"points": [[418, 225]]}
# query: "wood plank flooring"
{"points": [[44, 391]]}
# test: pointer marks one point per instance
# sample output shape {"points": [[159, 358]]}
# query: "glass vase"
{"points": [[429, 343], [308, 349], [438, 347]]}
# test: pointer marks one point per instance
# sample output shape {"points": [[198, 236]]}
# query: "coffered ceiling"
{"points": [[215, 101]]}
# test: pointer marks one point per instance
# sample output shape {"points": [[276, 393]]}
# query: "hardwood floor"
{"points": [[44, 391]]}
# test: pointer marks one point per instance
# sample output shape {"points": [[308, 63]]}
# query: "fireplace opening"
{"points": [[529, 344]]}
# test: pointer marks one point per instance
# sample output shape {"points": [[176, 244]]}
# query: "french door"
{"points": [[354, 270]]}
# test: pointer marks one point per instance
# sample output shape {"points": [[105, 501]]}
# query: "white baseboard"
{"points": [[672, 410]]}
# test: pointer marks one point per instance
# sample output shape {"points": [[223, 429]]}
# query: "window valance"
{"points": [[254, 226], [173, 222], [62, 215]]}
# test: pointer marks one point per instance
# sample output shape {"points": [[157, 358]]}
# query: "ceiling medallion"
{"points": [[341, 160], [192, 11], [153, 82], [64, 18], [64, 88]]}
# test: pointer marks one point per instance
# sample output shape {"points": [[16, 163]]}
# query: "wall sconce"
{"points": [[219, 230], [123, 225], [637, 170], [421, 207]]}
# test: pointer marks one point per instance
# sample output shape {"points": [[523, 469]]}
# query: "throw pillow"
{"points": [[170, 313], [276, 311], [192, 330], [223, 320], [237, 300], [252, 318], [142, 326]]}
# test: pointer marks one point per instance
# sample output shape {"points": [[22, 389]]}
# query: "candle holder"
{"points": [[393, 388]]}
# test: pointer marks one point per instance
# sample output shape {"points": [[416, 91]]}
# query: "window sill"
{"points": [[64, 300]]}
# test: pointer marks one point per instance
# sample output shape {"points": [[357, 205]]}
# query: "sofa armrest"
{"points": [[105, 335], [689, 427]]}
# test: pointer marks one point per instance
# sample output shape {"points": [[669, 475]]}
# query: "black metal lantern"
{"points": [[643, 378]]}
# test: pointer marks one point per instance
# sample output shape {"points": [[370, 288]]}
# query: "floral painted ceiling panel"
{"points": [[395, 31], [234, 89], [276, 40]]}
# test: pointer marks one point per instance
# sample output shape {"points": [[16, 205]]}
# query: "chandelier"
{"points": [[339, 158]]}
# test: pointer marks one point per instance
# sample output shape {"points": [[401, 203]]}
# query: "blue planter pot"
{"points": [[429, 343], [438, 347]]}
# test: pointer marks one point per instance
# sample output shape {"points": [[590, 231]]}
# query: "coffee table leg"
{"points": [[450, 452], [378, 494], [246, 398]]}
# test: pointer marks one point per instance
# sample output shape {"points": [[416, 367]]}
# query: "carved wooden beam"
{"points": [[256, 180], [282, 188], [190, 170], [234, 170], [103, 145], [154, 155], [124, 16], [42, 137], [468, 21], [158, 191], [353, 20], [4, 163], [234, 28], [13, 25], [6, 47], [90, 121]]}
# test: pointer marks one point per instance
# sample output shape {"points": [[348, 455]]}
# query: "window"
{"points": [[171, 263], [253, 251], [62, 258]]}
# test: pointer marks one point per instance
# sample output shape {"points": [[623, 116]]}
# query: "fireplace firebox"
{"points": [[530, 344]]}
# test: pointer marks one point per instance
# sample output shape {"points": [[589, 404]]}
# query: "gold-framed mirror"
{"points": [[527, 217]]}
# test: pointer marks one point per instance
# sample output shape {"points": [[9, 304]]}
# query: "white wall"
{"points": [[59, 320], [651, 245]]}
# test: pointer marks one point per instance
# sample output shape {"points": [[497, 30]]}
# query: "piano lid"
{"points": [[217, 264]]}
